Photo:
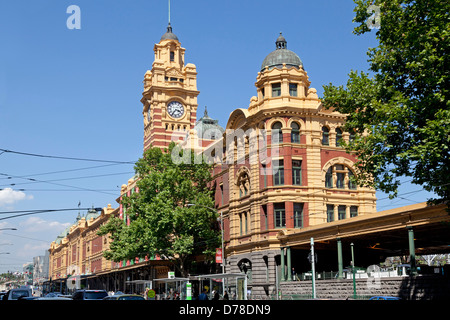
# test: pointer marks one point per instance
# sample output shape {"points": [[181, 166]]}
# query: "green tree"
{"points": [[160, 222], [401, 113]]}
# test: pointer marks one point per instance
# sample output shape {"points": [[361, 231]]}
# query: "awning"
{"points": [[221, 276]]}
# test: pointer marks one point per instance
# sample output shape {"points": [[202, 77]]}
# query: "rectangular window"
{"points": [[353, 211], [340, 176], [221, 193], [280, 215], [325, 136], [276, 89], [278, 172], [240, 224], [330, 213], [297, 172], [351, 180], [341, 212], [172, 56], [293, 89], [298, 215], [266, 220], [263, 172], [329, 178], [246, 222]]}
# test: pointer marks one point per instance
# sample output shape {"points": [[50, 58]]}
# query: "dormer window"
{"points": [[293, 89], [276, 89]]}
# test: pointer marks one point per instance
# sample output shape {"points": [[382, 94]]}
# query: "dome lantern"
{"points": [[281, 55]]}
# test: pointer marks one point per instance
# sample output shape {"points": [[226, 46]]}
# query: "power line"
{"points": [[32, 180], [22, 213], [64, 190], [49, 210], [65, 171], [67, 186], [15, 235], [63, 158]]}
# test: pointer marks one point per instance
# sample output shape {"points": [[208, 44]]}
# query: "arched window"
{"points": [[338, 137], [245, 266], [325, 136], [337, 176], [277, 134], [295, 132]]}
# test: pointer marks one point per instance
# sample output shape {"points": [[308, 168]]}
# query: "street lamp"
{"points": [[353, 271], [221, 228]]}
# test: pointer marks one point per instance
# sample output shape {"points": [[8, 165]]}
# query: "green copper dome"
{"points": [[281, 55], [208, 128]]}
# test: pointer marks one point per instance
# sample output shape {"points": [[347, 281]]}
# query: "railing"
{"points": [[360, 273], [281, 297]]}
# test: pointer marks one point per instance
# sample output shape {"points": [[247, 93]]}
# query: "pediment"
{"points": [[173, 72]]}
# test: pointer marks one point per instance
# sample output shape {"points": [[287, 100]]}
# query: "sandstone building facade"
{"points": [[278, 166]]}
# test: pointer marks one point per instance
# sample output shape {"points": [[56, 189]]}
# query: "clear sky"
{"points": [[76, 93]]}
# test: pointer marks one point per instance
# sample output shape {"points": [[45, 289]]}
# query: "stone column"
{"points": [[283, 276], [340, 263], [289, 267], [412, 251]]}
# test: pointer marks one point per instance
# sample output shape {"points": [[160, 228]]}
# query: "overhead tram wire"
{"points": [[22, 213], [60, 184], [63, 158], [65, 171], [32, 180]]}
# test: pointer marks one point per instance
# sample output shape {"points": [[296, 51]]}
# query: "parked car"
{"points": [[89, 295], [384, 298], [15, 294], [124, 297], [46, 298]]}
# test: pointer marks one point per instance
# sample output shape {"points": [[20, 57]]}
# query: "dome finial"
{"points": [[281, 42]]}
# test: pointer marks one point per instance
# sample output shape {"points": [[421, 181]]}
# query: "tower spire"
{"points": [[169, 12]]}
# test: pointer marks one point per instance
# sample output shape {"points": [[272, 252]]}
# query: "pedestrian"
{"points": [[203, 295], [225, 296], [216, 295]]}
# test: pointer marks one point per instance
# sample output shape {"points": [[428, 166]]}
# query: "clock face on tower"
{"points": [[175, 109]]}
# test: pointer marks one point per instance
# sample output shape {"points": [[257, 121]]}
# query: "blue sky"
{"points": [[76, 93]]}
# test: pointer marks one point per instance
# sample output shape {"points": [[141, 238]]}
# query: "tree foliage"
{"points": [[401, 114], [160, 220]]}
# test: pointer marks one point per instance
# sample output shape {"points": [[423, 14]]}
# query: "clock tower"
{"points": [[170, 94]]}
